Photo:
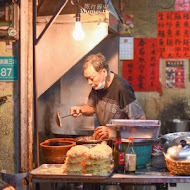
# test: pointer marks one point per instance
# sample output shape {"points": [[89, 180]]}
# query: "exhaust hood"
{"points": [[57, 52]]}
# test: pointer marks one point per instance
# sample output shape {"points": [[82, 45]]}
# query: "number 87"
{"points": [[6, 72]]}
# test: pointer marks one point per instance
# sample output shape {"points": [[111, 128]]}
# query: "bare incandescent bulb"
{"points": [[78, 33]]}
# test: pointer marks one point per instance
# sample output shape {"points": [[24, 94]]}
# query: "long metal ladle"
{"points": [[58, 118]]}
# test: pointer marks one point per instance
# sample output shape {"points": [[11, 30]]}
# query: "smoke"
{"points": [[74, 91]]}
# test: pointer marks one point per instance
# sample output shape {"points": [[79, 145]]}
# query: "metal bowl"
{"points": [[177, 125], [87, 140]]}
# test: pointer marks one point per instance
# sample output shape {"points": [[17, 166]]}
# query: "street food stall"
{"points": [[60, 91], [50, 80], [176, 149]]}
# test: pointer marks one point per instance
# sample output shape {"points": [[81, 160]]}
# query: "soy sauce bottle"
{"points": [[130, 157], [118, 154]]}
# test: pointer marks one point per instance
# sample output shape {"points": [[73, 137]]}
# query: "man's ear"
{"points": [[105, 72]]}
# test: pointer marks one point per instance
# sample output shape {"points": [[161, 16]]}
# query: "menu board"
{"points": [[175, 74]]}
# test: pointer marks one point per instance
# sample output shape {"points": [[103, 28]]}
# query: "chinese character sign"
{"points": [[143, 71], [173, 34], [93, 7], [175, 74]]}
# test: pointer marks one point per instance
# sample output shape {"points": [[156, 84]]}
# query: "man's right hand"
{"points": [[76, 111], [101, 133]]}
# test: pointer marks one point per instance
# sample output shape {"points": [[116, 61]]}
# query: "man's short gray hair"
{"points": [[98, 61]]}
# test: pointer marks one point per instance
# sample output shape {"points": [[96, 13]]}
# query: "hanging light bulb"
{"points": [[78, 33]]}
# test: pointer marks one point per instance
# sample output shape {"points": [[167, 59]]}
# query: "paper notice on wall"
{"points": [[175, 74], [126, 46], [181, 5]]}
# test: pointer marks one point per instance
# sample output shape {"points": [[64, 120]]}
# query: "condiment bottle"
{"points": [[130, 157], [118, 154]]}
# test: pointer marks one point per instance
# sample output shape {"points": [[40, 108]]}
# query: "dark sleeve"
{"points": [[127, 97], [130, 105]]}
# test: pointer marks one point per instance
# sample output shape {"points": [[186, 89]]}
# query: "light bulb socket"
{"points": [[78, 17]]}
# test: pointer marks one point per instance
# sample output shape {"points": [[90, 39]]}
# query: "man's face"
{"points": [[93, 77]]}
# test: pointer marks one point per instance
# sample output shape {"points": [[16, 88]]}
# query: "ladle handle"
{"points": [[66, 116]]}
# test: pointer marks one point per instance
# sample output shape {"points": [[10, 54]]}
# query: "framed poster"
{"points": [[175, 74]]}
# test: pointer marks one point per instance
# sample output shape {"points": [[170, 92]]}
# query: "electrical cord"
{"points": [[164, 1]]}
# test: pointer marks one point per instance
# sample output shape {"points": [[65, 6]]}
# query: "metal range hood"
{"points": [[57, 52]]}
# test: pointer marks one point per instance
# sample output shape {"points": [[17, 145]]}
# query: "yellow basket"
{"points": [[176, 167]]}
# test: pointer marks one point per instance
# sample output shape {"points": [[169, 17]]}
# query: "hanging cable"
{"points": [[164, 2]]}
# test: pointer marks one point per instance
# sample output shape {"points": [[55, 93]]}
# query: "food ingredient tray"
{"points": [[56, 170], [139, 129]]}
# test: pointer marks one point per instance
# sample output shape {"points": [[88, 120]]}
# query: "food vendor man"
{"points": [[111, 97]]}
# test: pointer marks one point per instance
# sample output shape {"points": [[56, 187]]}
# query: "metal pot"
{"points": [[179, 149], [168, 138], [177, 125]]}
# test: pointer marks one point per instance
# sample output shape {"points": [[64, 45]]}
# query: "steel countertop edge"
{"points": [[141, 176]]}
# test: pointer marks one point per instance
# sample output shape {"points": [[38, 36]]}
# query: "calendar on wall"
{"points": [[126, 46]]}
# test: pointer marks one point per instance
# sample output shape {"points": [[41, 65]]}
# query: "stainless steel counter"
{"points": [[141, 176]]}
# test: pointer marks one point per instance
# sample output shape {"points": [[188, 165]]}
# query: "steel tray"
{"points": [[139, 129], [56, 170]]}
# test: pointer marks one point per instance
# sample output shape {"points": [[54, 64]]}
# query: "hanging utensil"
{"points": [[58, 118]]}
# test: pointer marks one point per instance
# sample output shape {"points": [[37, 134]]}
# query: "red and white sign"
{"points": [[143, 71], [175, 74]]}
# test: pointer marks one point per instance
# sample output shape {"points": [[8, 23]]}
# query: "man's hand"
{"points": [[101, 132], [76, 111], [85, 109]]}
